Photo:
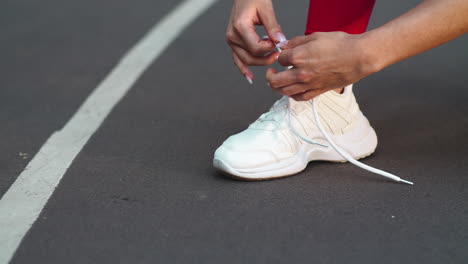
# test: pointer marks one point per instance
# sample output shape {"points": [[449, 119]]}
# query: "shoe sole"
{"points": [[224, 169], [361, 142]]}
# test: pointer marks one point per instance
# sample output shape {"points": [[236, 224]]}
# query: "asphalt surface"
{"points": [[143, 189]]}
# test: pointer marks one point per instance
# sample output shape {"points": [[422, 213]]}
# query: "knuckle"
{"points": [[230, 36], [302, 75], [238, 25], [294, 58]]}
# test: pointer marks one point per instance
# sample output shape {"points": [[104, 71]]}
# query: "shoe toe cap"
{"points": [[241, 159]]}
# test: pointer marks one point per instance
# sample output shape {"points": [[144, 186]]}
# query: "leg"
{"points": [[351, 16]]}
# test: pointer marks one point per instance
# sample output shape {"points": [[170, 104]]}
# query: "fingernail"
{"points": [[277, 56], [282, 44], [265, 37], [280, 37], [248, 79]]}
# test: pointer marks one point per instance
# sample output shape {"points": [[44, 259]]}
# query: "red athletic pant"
{"points": [[351, 16]]}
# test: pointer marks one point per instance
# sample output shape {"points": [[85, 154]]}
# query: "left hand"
{"points": [[322, 61]]}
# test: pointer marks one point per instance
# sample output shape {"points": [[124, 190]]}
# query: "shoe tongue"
{"points": [[272, 119], [292, 103], [279, 103], [298, 106], [279, 113], [295, 108]]}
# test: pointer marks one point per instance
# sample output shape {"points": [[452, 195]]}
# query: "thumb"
{"points": [[268, 19]]}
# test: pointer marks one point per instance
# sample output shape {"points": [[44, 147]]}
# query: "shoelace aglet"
{"points": [[405, 181]]}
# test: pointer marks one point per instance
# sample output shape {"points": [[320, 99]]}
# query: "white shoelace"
{"points": [[339, 150]]}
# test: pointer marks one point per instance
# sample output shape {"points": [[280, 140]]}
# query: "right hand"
{"points": [[247, 47]]}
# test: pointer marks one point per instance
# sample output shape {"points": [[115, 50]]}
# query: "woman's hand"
{"points": [[322, 61], [247, 47]]}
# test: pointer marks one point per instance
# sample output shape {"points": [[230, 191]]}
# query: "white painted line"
{"points": [[21, 205]]}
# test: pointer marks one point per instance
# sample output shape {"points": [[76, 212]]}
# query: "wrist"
{"points": [[374, 56]]}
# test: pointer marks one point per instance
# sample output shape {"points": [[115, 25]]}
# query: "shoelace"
{"points": [[339, 150]]}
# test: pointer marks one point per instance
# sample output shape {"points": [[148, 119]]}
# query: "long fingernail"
{"points": [[280, 37], [282, 44], [248, 79]]}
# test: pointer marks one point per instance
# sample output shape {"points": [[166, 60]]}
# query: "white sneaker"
{"points": [[270, 149]]}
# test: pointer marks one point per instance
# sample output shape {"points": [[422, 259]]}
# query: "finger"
{"points": [[251, 41], [233, 38], [293, 57], [308, 95], [296, 41], [253, 60], [278, 80], [294, 89], [242, 68], [284, 58], [267, 38], [268, 19]]}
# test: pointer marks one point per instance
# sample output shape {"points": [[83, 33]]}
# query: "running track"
{"points": [[142, 189]]}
